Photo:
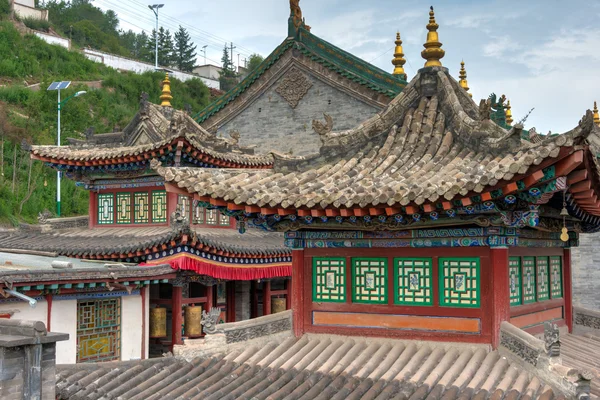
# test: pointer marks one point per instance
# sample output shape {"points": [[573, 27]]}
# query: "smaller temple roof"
{"points": [[152, 132], [313, 367]]}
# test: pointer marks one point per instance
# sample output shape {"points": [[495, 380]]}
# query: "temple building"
{"points": [[134, 220]]}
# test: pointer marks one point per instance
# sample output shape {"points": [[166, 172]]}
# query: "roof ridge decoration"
{"points": [[433, 52], [596, 115], [165, 97], [296, 20], [463, 78], [398, 61], [508, 114]]}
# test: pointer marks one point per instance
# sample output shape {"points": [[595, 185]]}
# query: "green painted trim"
{"points": [[137, 196], [39, 287], [24, 288], [155, 194], [102, 221], [397, 286], [539, 262], [80, 285], [556, 294], [165, 281], [53, 286], [123, 195], [315, 295], [67, 285], [383, 298], [92, 284], [441, 277], [534, 277]]}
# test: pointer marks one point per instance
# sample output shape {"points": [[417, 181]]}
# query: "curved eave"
{"points": [[176, 147]]}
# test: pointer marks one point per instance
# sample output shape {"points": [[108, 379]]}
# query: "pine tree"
{"points": [[185, 51], [165, 47], [227, 75]]}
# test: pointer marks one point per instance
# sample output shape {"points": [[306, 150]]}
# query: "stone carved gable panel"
{"points": [[293, 87]]}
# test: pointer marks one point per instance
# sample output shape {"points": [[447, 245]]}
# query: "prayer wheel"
{"points": [[277, 305], [158, 322], [193, 317]]}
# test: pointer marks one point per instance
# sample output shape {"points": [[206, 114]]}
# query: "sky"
{"points": [[541, 54]]}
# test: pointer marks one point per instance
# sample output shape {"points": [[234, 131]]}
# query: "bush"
{"points": [[37, 24], [4, 7]]}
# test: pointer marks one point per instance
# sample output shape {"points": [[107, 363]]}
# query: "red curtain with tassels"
{"points": [[241, 272]]}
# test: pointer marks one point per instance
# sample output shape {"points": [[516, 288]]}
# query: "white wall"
{"points": [[23, 311], [28, 3], [63, 319], [131, 327], [66, 43], [208, 71], [128, 64], [24, 11]]}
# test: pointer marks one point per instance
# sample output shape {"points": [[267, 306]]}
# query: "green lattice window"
{"points": [[211, 217], [140, 208], [369, 280], [99, 330], [556, 276], [106, 208], [223, 220], [329, 279], [412, 281], [183, 202], [198, 215], [514, 280], [159, 206], [459, 282], [543, 278], [528, 287], [123, 208]]}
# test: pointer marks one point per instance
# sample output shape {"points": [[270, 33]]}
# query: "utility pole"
{"points": [[231, 58], [154, 9], [238, 62], [204, 51], [245, 62]]}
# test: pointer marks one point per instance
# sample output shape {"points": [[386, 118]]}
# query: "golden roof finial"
{"points": [[165, 97], [462, 75], [399, 60], [508, 114], [596, 116], [433, 52]]}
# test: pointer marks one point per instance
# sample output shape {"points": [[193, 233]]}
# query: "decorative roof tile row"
{"points": [[136, 242], [312, 367], [431, 144]]}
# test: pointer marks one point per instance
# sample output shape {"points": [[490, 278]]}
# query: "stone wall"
{"points": [[273, 123], [27, 360], [586, 271]]}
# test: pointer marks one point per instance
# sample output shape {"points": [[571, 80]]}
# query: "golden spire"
{"points": [[462, 75], [433, 52], [596, 116], [399, 60], [165, 97], [508, 114]]}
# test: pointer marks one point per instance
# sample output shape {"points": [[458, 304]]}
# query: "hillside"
{"points": [[26, 187]]}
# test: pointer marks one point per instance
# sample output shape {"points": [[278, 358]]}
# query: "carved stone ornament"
{"points": [[210, 319], [293, 87], [519, 348], [270, 328], [551, 339], [43, 216], [321, 129], [178, 220], [589, 321]]}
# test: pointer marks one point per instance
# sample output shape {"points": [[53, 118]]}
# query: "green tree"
{"points": [[254, 61], [165, 47], [185, 51], [227, 75]]}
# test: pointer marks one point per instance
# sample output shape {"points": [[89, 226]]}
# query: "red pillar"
{"points": [[176, 319], [230, 301], [267, 298], [500, 291], [298, 291], [253, 300], [568, 288], [93, 209], [209, 298], [49, 303], [288, 294]]}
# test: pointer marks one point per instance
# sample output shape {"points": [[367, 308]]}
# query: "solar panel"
{"points": [[59, 85]]}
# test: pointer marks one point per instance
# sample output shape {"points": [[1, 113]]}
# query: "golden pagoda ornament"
{"points": [[399, 60], [462, 75], [508, 114], [596, 116], [165, 97], [433, 52]]}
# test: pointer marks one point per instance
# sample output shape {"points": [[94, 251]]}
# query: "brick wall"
{"points": [[27, 360], [271, 123], [586, 271]]}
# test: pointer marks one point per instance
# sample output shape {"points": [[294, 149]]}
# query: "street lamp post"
{"points": [[204, 51], [58, 86], [154, 9]]}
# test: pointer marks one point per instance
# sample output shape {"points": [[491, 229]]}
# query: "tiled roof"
{"points": [[583, 352], [121, 242], [312, 367], [431, 144], [161, 133], [326, 54]]}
